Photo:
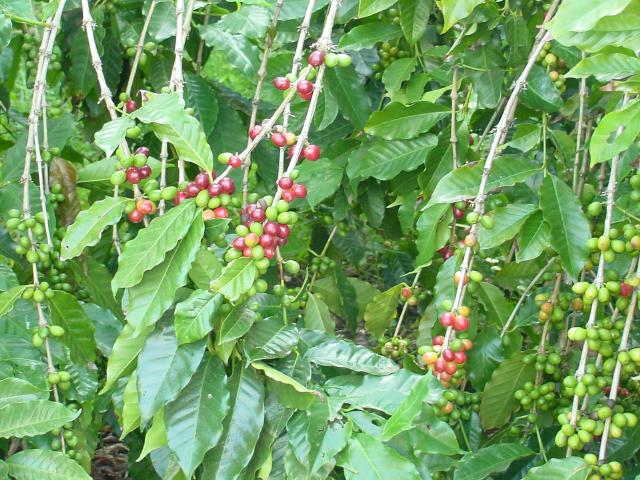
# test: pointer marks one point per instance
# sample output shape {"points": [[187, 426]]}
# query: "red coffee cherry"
{"points": [[130, 106], [136, 216], [311, 152], [281, 83], [316, 58]]}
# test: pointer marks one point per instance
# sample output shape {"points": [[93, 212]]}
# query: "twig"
{"points": [[498, 138], [140, 46], [611, 191], [406, 305], [454, 106], [615, 382], [585, 158], [262, 73], [324, 251], [579, 130], [39, 87], [200, 54], [523, 297], [297, 61]]}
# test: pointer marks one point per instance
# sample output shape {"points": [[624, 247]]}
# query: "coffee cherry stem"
{"points": [[405, 306]]}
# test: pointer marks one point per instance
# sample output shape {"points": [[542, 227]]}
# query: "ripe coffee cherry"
{"points": [[450, 368], [238, 243], [306, 96], [283, 230], [406, 292], [180, 196], [221, 212], [446, 252], [255, 131], [136, 216], [625, 289], [133, 175], [271, 228], [202, 180], [146, 207], [285, 183], [291, 151], [235, 161], [439, 365], [460, 323], [192, 190], [316, 58], [288, 195], [305, 87], [130, 106], [228, 185], [459, 357], [446, 319], [447, 355], [145, 171], [311, 152], [281, 83], [438, 340], [299, 190], [258, 215], [279, 139], [267, 240], [458, 213], [143, 150], [215, 189], [269, 252]]}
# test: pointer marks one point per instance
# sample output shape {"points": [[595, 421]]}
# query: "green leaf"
{"points": [[249, 20], [205, 268], [534, 238], [150, 246], [367, 458], [125, 353], [9, 298], [398, 121], [541, 93], [290, 392], [571, 468], [437, 438], [433, 233], [398, 72], [382, 309], [385, 159], [17, 8], [14, 390], [270, 338], [240, 52], [526, 136], [561, 210], [130, 407], [44, 465], [79, 329], [495, 303], [488, 460], [194, 418], [347, 89], [369, 7], [164, 369], [606, 66], [402, 418], [89, 224], [236, 278], [202, 98], [321, 178], [317, 315], [498, 401], [414, 18], [605, 142], [456, 10], [236, 323], [484, 359], [242, 426], [193, 316], [150, 298], [96, 278], [462, 183], [33, 417], [508, 222], [368, 34], [112, 134], [333, 352], [156, 436], [573, 17]]}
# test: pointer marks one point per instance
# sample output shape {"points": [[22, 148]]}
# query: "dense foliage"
{"points": [[321, 239]]}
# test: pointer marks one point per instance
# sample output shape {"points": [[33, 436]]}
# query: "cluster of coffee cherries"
{"points": [[616, 242], [556, 67], [70, 438], [281, 138], [214, 196], [322, 265], [554, 311], [603, 337], [542, 397], [457, 405], [316, 58], [588, 292], [395, 348], [605, 471], [131, 168], [447, 363], [387, 54], [408, 295], [257, 240], [590, 426], [31, 42], [149, 48], [292, 297], [548, 362]]}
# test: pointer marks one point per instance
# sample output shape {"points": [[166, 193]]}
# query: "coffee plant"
{"points": [[321, 239]]}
